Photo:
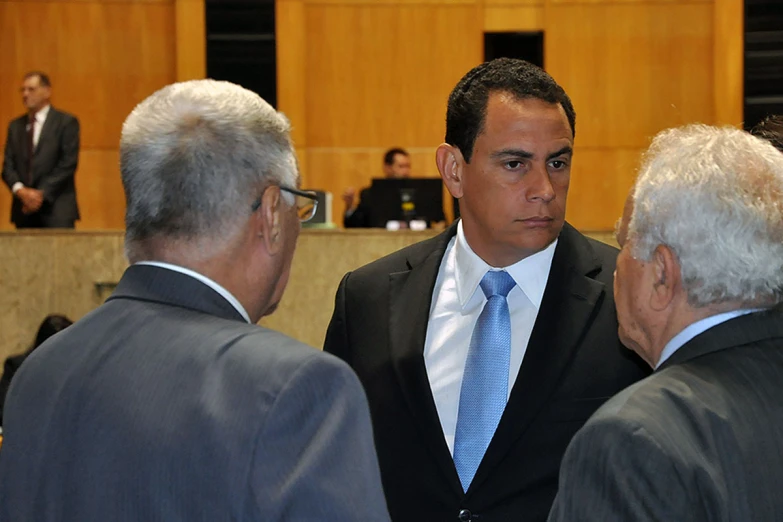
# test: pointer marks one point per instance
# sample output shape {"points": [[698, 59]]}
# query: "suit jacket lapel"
{"points": [[160, 285], [410, 298], [746, 329], [569, 300]]}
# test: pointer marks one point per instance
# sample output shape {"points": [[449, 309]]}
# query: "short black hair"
{"points": [[770, 129], [388, 157], [467, 107], [42, 77]]}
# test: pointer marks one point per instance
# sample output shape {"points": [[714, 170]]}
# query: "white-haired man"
{"points": [[697, 286], [168, 403]]}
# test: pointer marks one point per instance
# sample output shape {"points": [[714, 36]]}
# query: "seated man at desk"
{"points": [[379, 204], [396, 164]]}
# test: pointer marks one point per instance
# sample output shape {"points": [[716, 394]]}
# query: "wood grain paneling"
{"points": [[381, 74], [99, 190], [513, 18], [600, 181], [191, 40], [632, 70], [728, 61]]}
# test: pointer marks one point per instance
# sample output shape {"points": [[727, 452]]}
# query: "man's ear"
{"points": [[665, 268], [450, 162], [269, 219]]}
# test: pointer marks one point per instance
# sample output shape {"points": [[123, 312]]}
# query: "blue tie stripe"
{"points": [[485, 380]]}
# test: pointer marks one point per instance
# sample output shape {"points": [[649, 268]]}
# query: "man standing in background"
{"points": [[41, 155]]}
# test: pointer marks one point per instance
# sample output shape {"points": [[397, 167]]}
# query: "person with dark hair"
{"points": [[396, 164], [770, 129], [484, 349], [41, 155], [51, 324]]}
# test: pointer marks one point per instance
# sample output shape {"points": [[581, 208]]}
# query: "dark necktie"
{"points": [[30, 148], [485, 381]]}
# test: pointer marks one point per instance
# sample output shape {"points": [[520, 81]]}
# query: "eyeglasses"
{"points": [[306, 203]]}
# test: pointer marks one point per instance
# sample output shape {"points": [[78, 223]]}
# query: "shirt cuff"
{"points": [[16, 186]]}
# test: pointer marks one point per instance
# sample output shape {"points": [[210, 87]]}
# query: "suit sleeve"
{"points": [[336, 341], [360, 217], [315, 457], [65, 169], [10, 171], [615, 471]]}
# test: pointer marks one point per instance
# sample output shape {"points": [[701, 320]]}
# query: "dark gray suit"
{"points": [[163, 404], [699, 440], [55, 158]]}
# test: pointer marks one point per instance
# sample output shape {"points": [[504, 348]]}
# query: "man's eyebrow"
{"points": [[517, 153], [565, 150]]}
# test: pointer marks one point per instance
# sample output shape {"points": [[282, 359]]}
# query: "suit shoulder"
{"points": [[274, 352], [603, 250], [66, 116], [405, 258]]}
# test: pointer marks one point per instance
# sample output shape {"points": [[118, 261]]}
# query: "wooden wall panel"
{"points": [[728, 61], [632, 70], [99, 190], [505, 18], [600, 180], [375, 75]]}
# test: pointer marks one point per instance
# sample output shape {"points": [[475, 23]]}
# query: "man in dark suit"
{"points": [[698, 294], [168, 402], [396, 164], [471, 420], [41, 154]]}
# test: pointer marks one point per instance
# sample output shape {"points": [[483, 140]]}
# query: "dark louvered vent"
{"points": [[241, 44], [763, 59]]}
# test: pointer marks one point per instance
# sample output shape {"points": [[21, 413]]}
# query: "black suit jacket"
{"points": [[54, 165], [699, 440], [574, 362], [361, 215], [165, 405]]}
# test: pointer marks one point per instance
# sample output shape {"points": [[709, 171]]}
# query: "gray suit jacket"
{"points": [[699, 440], [164, 405], [54, 166]]}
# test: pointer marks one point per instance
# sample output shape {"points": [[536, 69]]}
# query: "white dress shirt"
{"points": [[457, 302], [38, 123], [204, 279], [697, 328]]}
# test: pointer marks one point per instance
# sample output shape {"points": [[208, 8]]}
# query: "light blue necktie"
{"points": [[484, 390]]}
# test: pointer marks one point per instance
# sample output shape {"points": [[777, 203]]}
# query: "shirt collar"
{"points": [[699, 327], [41, 115], [204, 279], [530, 274]]}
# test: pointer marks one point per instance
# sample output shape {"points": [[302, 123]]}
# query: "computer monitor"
{"points": [[406, 199]]}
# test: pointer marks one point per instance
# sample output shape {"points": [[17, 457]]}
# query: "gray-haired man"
{"points": [[698, 284], [168, 402]]}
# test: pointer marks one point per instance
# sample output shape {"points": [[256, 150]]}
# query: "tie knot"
{"points": [[497, 283]]}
